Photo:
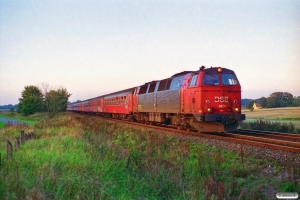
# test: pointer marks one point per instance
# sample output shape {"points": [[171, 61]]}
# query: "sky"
{"points": [[97, 47]]}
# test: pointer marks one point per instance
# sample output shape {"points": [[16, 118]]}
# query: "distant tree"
{"points": [[280, 99], [55, 100], [263, 101], [296, 101], [250, 104], [12, 110], [287, 98], [31, 101]]}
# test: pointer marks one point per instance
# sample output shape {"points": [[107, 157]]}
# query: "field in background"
{"points": [[282, 115]]}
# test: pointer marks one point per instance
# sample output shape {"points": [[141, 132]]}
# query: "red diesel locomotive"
{"points": [[206, 100]]}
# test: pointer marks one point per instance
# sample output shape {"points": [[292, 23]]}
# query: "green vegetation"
{"points": [[31, 101], [81, 157], [2, 124], [266, 125], [12, 111], [50, 100]]}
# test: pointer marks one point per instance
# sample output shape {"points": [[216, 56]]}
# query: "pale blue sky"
{"points": [[97, 47]]}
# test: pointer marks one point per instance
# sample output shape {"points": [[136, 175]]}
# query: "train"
{"points": [[205, 100]]}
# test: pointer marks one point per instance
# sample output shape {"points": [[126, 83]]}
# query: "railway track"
{"points": [[268, 134], [272, 140]]}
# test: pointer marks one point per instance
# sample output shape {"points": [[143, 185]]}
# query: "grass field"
{"points": [[80, 157], [282, 115]]}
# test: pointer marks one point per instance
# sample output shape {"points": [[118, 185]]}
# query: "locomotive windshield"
{"points": [[229, 79], [211, 79], [214, 79]]}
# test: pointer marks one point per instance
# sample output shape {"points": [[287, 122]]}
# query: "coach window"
{"points": [[211, 79], [194, 80]]}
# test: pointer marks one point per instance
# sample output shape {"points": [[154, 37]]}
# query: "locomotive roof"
{"points": [[181, 73], [213, 69], [209, 70]]}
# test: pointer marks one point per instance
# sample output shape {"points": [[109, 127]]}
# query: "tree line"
{"points": [[43, 99], [276, 100]]}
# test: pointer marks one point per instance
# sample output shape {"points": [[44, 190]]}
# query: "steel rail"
{"points": [[275, 135], [262, 139]]}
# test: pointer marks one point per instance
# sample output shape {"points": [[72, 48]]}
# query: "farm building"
{"points": [[257, 106]]}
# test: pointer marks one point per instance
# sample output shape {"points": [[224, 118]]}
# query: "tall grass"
{"points": [[80, 157], [267, 125]]}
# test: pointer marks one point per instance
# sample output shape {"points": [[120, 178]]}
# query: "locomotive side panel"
{"points": [[147, 103], [168, 101]]}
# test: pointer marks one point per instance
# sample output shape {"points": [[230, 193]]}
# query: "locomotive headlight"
{"points": [[235, 101], [236, 109], [207, 101], [219, 69], [208, 109]]}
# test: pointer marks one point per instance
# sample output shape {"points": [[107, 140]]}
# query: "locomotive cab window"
{"points": [[229, 79], [211, 79], [194, 80]]}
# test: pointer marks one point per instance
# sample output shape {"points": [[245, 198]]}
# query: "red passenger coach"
{"points": [[118, 104], [96, 105], [206, 100]]}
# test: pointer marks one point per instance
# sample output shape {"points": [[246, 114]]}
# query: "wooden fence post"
{"points": [[9, 150], [22, 137], [17, 144]]}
